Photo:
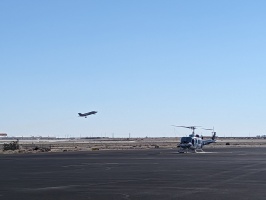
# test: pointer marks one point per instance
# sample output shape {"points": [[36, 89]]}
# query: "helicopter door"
{"points": [[200, 143], [193, 142], [196, 143]]}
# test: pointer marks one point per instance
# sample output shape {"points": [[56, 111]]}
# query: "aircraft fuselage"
{"points": [[86, 114]]}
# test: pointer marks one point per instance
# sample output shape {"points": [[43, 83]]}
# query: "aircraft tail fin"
{"points": [[213, 135]]}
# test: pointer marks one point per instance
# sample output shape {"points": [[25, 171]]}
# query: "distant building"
{"points": [[3, 135]]}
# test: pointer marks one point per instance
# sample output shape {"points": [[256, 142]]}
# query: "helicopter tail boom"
{"points": [[212, 140]]}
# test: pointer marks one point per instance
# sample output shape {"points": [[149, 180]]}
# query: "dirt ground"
{"points": [[94, 144]]}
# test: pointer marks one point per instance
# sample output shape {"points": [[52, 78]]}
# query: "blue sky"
{"points": [[143, 65]]}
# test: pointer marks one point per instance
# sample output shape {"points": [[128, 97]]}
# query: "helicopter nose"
{"points": [[188, 145]]}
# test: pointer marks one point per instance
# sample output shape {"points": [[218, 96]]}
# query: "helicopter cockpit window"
{"points": [[186, 139]]}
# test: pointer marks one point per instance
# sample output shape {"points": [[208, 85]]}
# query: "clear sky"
{"points": [[144, 65]]}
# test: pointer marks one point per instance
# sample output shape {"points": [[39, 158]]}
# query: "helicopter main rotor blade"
{"points": [[208, 129], [190, 127], [183, 126]]}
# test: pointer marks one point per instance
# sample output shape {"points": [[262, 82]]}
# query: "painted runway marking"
{"points": [[194, 152], [49, 188], [103, 164]]}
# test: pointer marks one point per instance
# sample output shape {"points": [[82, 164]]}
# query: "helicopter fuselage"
{"points": [[194, 142], [191, 143]]}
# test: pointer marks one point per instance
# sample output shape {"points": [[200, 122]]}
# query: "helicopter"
{"points": [[194, 142]]}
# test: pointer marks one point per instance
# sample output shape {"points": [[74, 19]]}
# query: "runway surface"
{"points": [[235, 173]]}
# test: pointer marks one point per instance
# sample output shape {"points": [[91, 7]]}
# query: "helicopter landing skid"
{"points": [[181, 150], [199, 151]]}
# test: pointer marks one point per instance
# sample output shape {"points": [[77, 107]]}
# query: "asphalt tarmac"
{"points": [[234, 173]]}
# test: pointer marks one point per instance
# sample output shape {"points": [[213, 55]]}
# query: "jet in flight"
{"points": [[86, 114]]}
